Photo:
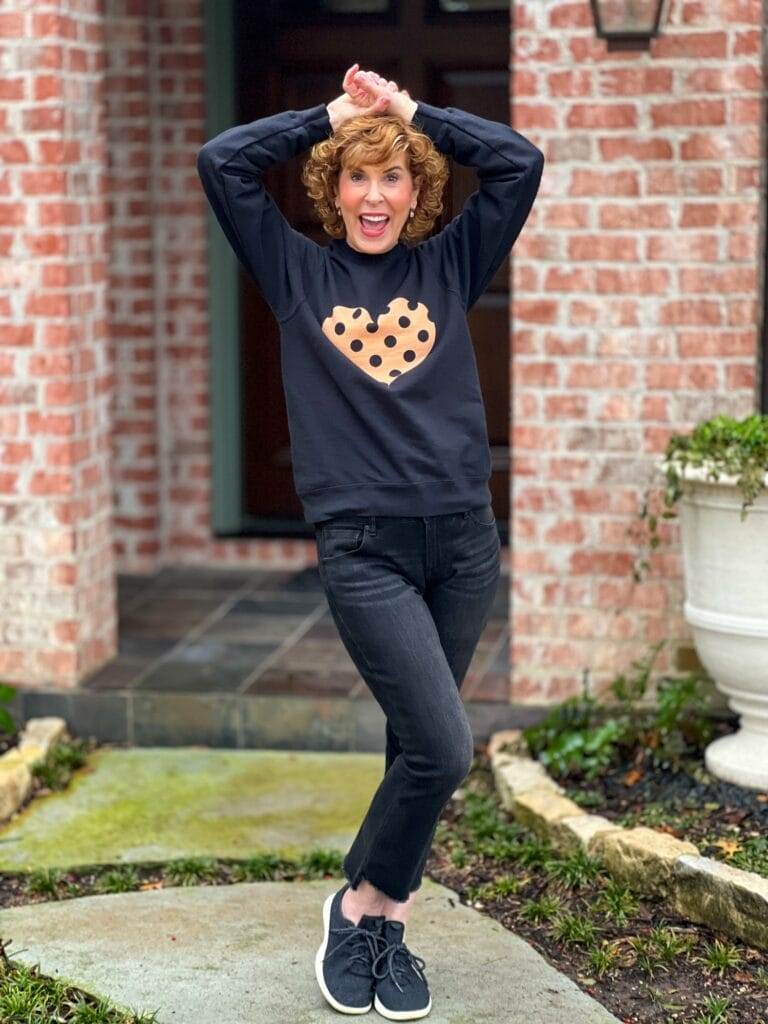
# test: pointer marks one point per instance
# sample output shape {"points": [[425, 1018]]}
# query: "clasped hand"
{"points": [[368, 92]]}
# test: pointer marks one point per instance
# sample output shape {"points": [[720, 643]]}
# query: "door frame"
{"points": [[225, 399]]}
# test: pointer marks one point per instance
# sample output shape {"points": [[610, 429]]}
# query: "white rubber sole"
{"points": [[401, 1014], [319, 956]]}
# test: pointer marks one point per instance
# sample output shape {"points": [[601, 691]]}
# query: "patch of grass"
{"points": [[646, 954], [27, 997], [191, 871], [492, 891], [719, 956], [669, 944], [574, 871], [544, 908], [44, 882], [319, 862], [262, 867], [603, 959], [616, 901], [123, 879], [714, 1011], [574, 928], [55, 771]]}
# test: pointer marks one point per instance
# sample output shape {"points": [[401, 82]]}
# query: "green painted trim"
{"points": [[223, 288]]}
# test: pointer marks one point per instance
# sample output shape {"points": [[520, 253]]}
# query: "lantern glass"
{"points": [[627, 17]]}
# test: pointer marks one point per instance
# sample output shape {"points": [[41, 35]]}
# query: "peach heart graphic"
{"points": [[385, 349]]}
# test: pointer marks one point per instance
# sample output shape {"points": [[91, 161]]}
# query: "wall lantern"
{"points": [[627, 19]]}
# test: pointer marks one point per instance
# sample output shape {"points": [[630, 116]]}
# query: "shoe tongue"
{"points": [[371, 923], [393, 931]]}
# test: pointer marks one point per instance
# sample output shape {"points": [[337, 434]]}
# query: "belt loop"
{"points": [[372, 525]]}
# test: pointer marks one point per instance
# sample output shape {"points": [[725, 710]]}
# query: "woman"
{"points": [[390, 450]]}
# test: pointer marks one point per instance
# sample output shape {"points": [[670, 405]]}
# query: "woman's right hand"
{"points": [[357, 99]]}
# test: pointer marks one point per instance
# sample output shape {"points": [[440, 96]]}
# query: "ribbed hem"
{"points": [[422, 498]]}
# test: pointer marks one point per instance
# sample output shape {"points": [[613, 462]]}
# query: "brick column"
{"points": [[57, 607], [635, 314]]}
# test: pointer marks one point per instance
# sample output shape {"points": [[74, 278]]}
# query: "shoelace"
{"points": [[400, 967], [362, 957]]}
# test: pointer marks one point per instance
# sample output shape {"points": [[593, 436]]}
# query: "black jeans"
{"points": [[410, 597]]}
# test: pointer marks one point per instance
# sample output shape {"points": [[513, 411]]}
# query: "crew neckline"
{"points": [[342, 247]]}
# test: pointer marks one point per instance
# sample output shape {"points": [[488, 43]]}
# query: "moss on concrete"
{"points": [[148, 804]]}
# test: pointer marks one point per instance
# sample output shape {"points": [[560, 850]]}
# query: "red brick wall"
{"points": [[635, 313], [57, 614]]}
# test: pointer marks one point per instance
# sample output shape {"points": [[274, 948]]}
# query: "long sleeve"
{"points": [[472, 247], [231, 167]]}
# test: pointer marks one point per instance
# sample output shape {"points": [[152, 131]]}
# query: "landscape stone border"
{"points": [[38, 737], [701, 889]]}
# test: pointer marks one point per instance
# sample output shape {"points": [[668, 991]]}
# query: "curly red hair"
{"points": [[374, 138]]}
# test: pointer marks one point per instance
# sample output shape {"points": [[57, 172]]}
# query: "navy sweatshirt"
{"points": [[385, 412]]}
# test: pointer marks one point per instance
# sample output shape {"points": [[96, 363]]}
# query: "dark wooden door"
{"points": [[292, 54]]}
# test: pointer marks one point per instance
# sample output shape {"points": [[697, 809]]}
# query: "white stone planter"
{"points": [[726, 603]]}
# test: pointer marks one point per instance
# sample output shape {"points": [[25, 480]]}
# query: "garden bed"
{"points": [[643, 962], [726, 822]]}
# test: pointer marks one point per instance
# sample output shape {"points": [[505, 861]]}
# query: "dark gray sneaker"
{"points": [[402, 992], [343, 961]]}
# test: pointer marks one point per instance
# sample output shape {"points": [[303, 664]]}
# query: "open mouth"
{"points": [[374, 226]]}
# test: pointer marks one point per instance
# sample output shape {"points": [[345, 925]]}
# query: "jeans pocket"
{"points": [[483, 515], [337, 541]]}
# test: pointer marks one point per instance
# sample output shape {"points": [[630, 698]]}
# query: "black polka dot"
{"points": [[409, 355], [423, 335], [356, 345], [357, 313], [404, 321], [386, 309], [339, 328], [394, 373], [412, 304], [390, 341], [375, 360], [371, 328]]}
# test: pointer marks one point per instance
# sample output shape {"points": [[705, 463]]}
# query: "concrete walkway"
{"points": [[244, 954]]}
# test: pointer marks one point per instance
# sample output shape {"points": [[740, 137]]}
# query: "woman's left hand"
{"points": [[366, 87]]}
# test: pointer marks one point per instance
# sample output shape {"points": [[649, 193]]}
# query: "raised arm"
{"points": [[231, 168], [472, 247]]}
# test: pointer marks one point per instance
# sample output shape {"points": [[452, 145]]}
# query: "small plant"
{"points": [[44, 882], [719, 956], [602, 958], [574, 929], [669, 945], [122, 879], [533, 853], [617, 902], [459, 855], [646, 954], [191, 871], [574, 871], [318, 862], [714, 1011], [545, 908], [62, 760], [583, 737], [259, 868]]}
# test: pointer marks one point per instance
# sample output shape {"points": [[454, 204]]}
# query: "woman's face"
{"points": [[385, 189]]}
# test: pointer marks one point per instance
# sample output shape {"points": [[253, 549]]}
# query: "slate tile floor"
{"points": [[256, 633]]}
